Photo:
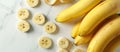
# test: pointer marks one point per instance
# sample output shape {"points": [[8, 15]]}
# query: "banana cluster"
{"points": [[98, 27]]}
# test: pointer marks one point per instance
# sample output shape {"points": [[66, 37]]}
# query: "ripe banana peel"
{"points": [[75, 30], [79, 40], [97, 15], [86, 39], [109, 31], [76, 10], [112, 45]]}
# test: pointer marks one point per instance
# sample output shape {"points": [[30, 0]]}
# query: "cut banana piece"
{"points": [[38, 18], [45, 42], [77, 50], [50, 27], [32, 3], [63, 42], [23, 26], [23, 13], [51, 2], [62, 50], [65, 1]]}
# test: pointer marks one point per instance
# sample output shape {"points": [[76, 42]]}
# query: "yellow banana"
{"points": [[75, 29], [86, 39], [97, 15], [82, 39], [76, 10], [112, 45], [109, 31]]}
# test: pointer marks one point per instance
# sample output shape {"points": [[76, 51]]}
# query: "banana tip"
{"points": [[73, 37], [75, 44]]}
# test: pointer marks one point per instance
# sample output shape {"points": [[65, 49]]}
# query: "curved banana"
{"points": [[109, 31], [82, 39], [86, 39], [112, 45], [77, 10], [75, 30], [97, 15]]}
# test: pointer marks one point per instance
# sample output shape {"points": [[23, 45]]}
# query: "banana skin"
{"points": [[76, 10], [108, 32]]}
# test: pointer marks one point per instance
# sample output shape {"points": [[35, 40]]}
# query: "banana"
{"points": [[50, 27], [33, 3], [23, 26], [82, 39], [62, 50], [97, 15], [45, 42], [77, 50], [105, 34], [76, 10], [75, 30], [66, 1], [23, 13], [63, 42], [51, 2], [38, 18], [79, 40], [112, 45]]}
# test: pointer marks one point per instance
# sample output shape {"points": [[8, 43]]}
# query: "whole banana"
{"points": [[75, 30], [109, 31], [77, 10], [97, 15], [86, 39]]}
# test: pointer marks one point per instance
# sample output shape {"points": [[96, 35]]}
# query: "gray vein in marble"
{"points": [[10, 11], [49, 11], [34, 49], [5, 7], [4, 18]]}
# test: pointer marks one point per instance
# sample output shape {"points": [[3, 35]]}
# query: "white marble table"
{"points": [[12, 40]]}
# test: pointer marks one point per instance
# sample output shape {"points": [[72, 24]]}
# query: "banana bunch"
{"points": [[89, 29]]}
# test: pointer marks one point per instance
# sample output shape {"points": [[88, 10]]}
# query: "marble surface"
{"points": [[12, 40]]}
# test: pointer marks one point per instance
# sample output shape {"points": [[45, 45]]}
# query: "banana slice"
{"points": [[62, 50], [50, 27], [38, 18], [32, 3], [77, 50], [63, 42], [23, 26], [51, 2], [65, 1], [45, 42], [23, 13]]}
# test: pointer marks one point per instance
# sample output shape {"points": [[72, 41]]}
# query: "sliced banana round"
{"points": [[63, 42], [51, 2], [45, 42], [65, 1], [50, 27], [33, 3], [38, 18], [23, 13], [23, 26], [77, 50], [62, 50]]}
